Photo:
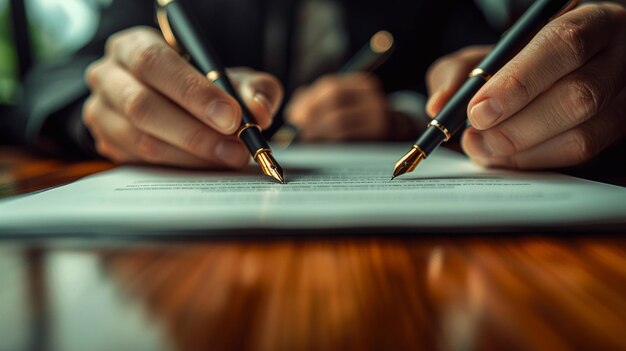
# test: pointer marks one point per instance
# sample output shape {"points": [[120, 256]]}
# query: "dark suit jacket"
{"points": [[424, 30]]}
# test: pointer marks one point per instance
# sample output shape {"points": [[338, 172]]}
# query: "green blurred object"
{"points": [[57, 28], [8, 59]]}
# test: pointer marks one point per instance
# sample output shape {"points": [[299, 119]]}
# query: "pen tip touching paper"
{"points": [[408, 162], [270, 166]]}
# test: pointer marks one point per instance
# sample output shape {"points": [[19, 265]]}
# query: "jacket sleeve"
{"points": [[54, 92]]}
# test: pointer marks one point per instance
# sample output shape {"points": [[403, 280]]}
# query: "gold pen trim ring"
{"points": [[443, 129], [479, 72], [256, 154], [214, 75], [246, 126]]}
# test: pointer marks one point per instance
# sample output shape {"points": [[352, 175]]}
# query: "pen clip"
{"points": [[568, 7], [166, 29]]}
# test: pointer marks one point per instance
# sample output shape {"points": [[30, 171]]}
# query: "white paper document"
{"points": [[329, 187]]}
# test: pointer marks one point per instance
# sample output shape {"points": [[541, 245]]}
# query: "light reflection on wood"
{"points": [[350, 293]]}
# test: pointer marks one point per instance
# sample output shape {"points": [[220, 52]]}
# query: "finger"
{"points": [[151, 113], [570, 148], [446, 75], [562, 46], [296, 110], [93, 116], [349, 123], [261, 92], [355, 130], [116, 136], [146, 55], [570, 102], [328, 94]]}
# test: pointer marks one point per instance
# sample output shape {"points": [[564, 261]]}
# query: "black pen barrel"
{"points": [[453, 115], [203, 56], [520, 33], [191, 38]]}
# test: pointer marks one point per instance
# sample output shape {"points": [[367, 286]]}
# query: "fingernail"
{"points": [[231, 153], [482, 148], [485, 114], [264, 101], [221, 114]]}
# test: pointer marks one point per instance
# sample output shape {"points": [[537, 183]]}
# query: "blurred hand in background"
{"points": [[340, 107]]}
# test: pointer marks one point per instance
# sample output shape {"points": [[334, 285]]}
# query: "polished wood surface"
{"points": [[528, 291]]}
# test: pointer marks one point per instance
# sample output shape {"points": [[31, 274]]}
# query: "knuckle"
{"points": [[436, 66], [147, 147], [105, 149], [503, 141], [136, 105], [195, 140], [583, 100], [89, 111], [195, 91], [146, 58], [333, 87], [518, 87], [112, 44], [92, 74], [570, 35], [584, 145]]}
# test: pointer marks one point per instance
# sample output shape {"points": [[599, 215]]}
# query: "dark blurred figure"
{"points": [[269, 36], [559, 103]]}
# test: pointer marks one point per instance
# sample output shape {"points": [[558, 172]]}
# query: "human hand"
{"points": [[340, 107], [558, 103], [148, 104]]}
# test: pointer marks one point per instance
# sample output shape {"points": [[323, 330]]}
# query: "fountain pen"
{"points": [[453, 115], [181, 31]]}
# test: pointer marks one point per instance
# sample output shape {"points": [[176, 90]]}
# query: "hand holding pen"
{"points": [[544, 97], [555, 115], [349, 104], [546, 78], [182, 31], [149, 105]]}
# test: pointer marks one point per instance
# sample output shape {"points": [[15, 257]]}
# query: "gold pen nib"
{"points": [[269, 166], [409, 161]]}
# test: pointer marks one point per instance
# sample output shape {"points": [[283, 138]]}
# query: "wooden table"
{"points": [[450, 292]]}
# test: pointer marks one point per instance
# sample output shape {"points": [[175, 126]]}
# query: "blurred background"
{"points": [[53, 28]]}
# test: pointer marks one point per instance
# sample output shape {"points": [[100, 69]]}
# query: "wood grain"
{"points": [[374, 293], [490, 292]]}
